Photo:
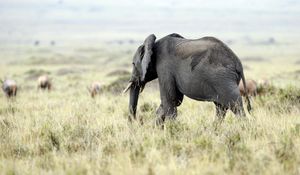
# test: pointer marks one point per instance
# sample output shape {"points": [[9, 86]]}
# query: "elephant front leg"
{"points": [[160, 115], [159, 111], [165, 113], [169, 101], [237, 108]]}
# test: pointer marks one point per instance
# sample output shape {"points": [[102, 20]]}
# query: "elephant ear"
{"points": [[148, 45]]}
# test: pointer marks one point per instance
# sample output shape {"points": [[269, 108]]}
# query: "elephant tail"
{"points": [[249, 108]]}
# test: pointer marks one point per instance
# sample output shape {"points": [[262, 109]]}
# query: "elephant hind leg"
{"points": [[237, 107], [170, 98], [164, 113], [220, 111]]}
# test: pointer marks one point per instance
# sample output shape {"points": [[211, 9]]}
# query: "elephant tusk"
{"points": [[128, 86]]}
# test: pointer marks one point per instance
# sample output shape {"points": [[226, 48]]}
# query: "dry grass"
{"points": [[67, 132]]}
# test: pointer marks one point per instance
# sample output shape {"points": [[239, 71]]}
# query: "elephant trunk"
{"points": [[133, 100]]}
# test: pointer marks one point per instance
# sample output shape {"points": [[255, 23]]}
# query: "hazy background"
{"points": [[252, 28], [79, 42]]}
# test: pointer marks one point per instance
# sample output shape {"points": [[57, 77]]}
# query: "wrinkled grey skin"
{"points": [[203, 69], [9, 88]]}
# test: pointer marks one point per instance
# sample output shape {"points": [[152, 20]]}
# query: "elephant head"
{"points": [[140, 72]]}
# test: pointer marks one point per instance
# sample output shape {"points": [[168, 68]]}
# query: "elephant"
{"points": [[9, 88], [251, 88], [202, 69], [44, 82], [94, 89]]}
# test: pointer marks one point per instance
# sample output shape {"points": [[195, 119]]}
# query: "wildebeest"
{"points": [[9, 87], [94, 89], [263, 82], [264, 86], [44, 82], [251, 88]]}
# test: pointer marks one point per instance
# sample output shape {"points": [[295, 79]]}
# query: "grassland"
{"points": [[65, 131]]}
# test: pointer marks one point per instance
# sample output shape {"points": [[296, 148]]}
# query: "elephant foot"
{"points": [[217, 123], [132, 119], [140, 120], [159, 123], [165, 114], [239, 112]]}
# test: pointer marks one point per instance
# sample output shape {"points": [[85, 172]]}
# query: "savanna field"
{"points": [[65, 131]]}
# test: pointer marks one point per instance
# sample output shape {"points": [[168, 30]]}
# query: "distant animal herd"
{"points": [[10, 87], [203, 69]]}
